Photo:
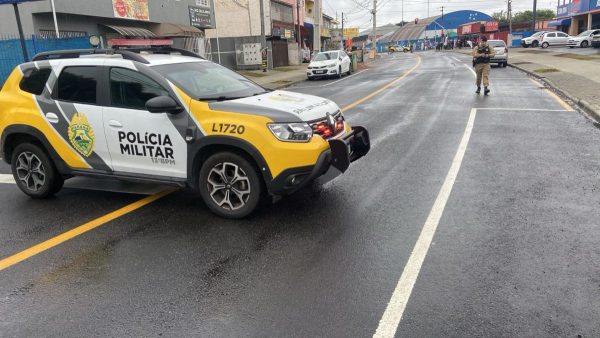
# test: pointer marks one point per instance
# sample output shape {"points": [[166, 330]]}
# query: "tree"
{"points": [[500, 17], [527, 16]]}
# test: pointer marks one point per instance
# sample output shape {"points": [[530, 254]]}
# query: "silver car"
{"points": [[501, 57]]}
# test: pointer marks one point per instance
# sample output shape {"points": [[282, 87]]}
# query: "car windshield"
{"points": [[326, 56], [496, 44], [586, 33], [209, 81], [537, 34]]}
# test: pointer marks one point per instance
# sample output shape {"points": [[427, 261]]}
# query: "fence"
{"points": [[11, 54]]}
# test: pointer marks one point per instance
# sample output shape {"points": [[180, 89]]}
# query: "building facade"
{"points": [[184, 21], [576, 16]]}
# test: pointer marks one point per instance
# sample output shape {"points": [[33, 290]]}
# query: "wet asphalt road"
{"points": [[516, 251]]}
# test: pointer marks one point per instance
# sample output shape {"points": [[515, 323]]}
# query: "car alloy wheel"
{"points": [[30, 171], [228, 186], [545, 45], [584, 44]]}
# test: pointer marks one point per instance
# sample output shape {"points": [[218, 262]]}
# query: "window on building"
{"points": [[34, 80], [78, 84], [130, 89]]}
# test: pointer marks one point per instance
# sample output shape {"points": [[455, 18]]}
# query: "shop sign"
{"points": [[352, 32], [576, 7], [131, 9], [10, 2], [491, 26], [201, 17]]}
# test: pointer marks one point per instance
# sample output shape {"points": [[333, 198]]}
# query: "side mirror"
{"points": [[163, 104]]}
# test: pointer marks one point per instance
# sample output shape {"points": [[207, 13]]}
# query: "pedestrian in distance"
{"points": [[481, 61]]}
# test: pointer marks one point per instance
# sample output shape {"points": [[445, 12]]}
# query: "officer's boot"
{"points": [[478, 90], [486, 91]]}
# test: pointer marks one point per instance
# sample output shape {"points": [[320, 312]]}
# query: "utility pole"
{"points": [[299, 35], [443, 25], [343, 46], [402, 13], [534, 15], [263, 38], [427, 8], [317, 26], [510, 31], [374, 40], [55, 21]]}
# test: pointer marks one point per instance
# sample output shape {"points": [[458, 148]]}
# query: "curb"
{"points": [[590, 108]]}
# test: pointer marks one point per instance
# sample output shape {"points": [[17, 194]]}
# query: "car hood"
{"points": [[321, 63], [578, 38], [281, 106]]}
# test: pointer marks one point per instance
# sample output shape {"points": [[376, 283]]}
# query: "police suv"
{"points": [[168, 116]]}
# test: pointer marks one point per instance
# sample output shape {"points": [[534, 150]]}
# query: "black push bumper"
{"points": [[331, 163]]}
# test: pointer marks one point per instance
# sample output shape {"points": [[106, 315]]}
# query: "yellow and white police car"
{"points": [[168, 116]]}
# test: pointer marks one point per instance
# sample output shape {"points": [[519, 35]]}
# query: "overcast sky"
{"points": [[390, 11]]}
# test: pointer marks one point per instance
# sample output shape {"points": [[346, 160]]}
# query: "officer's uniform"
{"points": [[482, 64]]}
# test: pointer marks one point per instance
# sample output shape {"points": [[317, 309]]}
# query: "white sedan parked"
{"points": [[333, 63], [584, 39]]}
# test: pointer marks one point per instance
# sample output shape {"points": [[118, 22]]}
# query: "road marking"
{"points": [[471, 69], [529, 109], [378, 91], [8, 179], [346, 78], [558, 99], [93, 224], [388, 325]]}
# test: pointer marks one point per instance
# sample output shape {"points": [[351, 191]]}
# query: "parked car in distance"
{"points": [[333, 63], [584, 39], [554, 39], [501, 49], [596, 41], [532, 41]]}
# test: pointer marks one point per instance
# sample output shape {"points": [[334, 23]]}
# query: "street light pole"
{"points": [[299, 35], [534, 15], [374, 41], [55, 21]]}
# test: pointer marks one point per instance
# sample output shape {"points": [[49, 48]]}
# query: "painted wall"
{"points": [[239, 18], [159, 11]]}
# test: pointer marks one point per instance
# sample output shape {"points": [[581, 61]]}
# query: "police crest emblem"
{"points": [[81, 134]]}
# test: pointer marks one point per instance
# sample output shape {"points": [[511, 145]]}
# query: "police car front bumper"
{"points": [[331, 163]]}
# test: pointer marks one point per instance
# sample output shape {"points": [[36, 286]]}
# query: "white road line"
{"points": [[529, 109], [346, 78], [471, 69], [388, 325], [8, 179]]}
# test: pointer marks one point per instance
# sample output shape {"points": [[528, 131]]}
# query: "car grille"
{"points": [[322, 128], [321, 67]]}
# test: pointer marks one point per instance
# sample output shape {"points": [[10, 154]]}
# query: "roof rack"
{"points": [[76, 53], [132, 54], [161, 50]]}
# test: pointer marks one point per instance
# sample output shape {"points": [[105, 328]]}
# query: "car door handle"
{"points": [[115, 124], [52, 118]]}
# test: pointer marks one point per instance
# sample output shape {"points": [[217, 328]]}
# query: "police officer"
{"points": [[481, 59]]}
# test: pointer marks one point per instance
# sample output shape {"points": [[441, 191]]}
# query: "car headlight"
{"points": [[331, 65], [291, 132]]}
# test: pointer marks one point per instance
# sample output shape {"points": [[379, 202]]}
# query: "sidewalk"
{"points": [[577, 76], [279, 77]]}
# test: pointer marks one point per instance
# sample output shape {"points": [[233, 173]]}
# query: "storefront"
{"points": [[578, 16]]}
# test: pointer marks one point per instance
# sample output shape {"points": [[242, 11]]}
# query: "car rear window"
{"points": [[34, 80], [78, 84], [497, 44]]}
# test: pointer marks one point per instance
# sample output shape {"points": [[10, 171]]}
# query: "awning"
{"points": [[170, 30], [132, 31], [563, 22]]}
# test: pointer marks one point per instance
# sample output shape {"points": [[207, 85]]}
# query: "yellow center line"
{"points": [[378, 91], [91, 225]]}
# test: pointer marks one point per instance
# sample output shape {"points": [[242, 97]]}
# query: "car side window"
{"points": [[34, 80], [551, 35], [131, 89], [562, 35], [77, 84]]}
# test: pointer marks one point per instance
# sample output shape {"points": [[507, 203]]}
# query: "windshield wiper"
{"points": [[221, 98]]}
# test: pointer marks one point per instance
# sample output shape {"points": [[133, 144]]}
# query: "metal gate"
{"points": [[280, 53]]}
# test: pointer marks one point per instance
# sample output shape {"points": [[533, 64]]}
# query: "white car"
{"points": [[554, 39], [532, 41], [584, 39], [332, 63], [501, 49]]}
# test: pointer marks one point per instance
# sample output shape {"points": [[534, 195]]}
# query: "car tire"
{"points": [[545, 45], [230, 185], [571, 47], [584, 44], [535, 44], [34, 172]]}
